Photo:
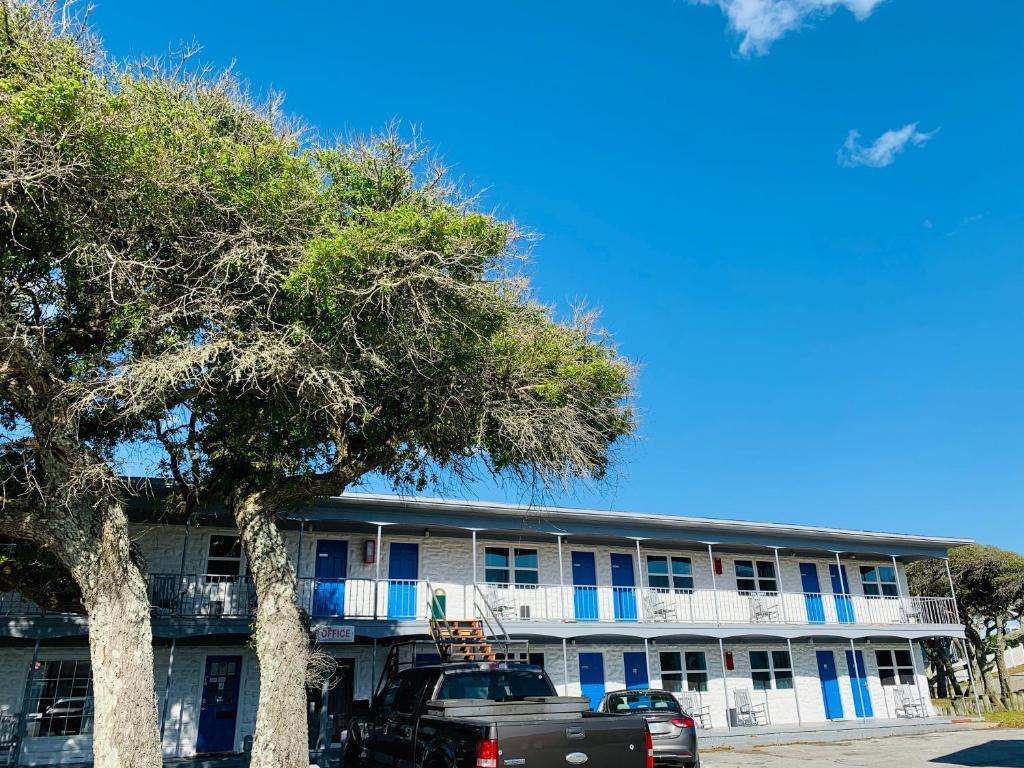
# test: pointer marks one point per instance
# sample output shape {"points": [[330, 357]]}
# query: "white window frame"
{"points": [[38, 685], [772, 669], [895, 668], [875, 588], [757, 577], [242, 566], [682, 675], [512, 568], [670, 575]]}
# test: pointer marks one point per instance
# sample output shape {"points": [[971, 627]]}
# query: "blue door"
{"points": [[812, 593], [592, 677], [219, 709], [635, 663], [584, 580], [403, 570], [841, 590], [859, 681], [830, 685], [331, 570], [623, 587]]}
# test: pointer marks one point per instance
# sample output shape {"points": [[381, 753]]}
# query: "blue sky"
{"points": [[829, 329]]}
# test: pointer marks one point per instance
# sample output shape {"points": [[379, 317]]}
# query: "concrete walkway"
{"points": [[829, 732], [976, 748]]}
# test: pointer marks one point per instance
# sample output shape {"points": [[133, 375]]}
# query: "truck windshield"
{"points": [[495, 684]]}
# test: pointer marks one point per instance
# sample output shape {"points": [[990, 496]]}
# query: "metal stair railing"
{"points": [[504, 639], [436, 624]]}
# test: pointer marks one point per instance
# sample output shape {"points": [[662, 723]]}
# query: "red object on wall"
{"points": [[718, 566], [370, 552], [729, 663]]}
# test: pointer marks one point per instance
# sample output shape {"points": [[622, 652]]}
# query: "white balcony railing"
{"points": [[215, 596]]}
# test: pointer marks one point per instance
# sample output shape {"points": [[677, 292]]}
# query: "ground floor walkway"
{"points": [[986, 748]]}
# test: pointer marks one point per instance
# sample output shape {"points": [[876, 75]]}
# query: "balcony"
{"points": [[517, 604]]}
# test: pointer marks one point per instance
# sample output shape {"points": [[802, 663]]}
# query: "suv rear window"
{"points": [[643, 702], [495, 684]]}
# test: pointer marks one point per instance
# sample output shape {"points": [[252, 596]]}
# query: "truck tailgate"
{"points": [[599, 742]]}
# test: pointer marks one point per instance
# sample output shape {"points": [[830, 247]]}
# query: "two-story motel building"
{"points": [[811, 624]]}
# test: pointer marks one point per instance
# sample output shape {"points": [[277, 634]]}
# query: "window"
{"points": [[643, 702], [511, 566], [696, 671], [676, 677], [768, 665], [879, 581], [756, 577], [537, 659], [225, 556], [60, 699], [895, 667], [499, 685], [664, 572]]}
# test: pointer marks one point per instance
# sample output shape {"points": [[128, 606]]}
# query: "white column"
{"points": [[926, 696], [167, 691], [639, 590], [376, 573], [473, 535], [565, 666], [796, 695], [952, 593], [561, 584], [778, 580], [970, 677], [714, 587], [647, 661], [896, 570], [725, 674], [298, 555]]}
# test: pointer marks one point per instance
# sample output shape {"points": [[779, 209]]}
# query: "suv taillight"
{"points": [[650, 747], [487, 754], [683, 722]]}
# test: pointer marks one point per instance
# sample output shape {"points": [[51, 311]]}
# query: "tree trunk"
{"points": [[282, 642], [125, 733], [1004, 677]]}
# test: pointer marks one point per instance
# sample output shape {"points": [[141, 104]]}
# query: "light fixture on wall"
{"points": [[369, 552]]}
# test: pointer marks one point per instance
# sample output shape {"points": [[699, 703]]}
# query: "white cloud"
{"points": [[762, 22], [883, 150]]}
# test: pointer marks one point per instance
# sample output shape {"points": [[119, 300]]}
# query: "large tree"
{"points": [[402, 342], [121, 189], [989, 586]]}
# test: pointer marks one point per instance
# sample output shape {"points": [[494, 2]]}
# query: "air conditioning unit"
{"points": [[524, 612]]}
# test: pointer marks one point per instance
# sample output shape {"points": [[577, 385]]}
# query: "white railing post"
{"points": [[778, 582], [639, 593], [796, 695], [376, 572], [952, 593], [561, 585]]}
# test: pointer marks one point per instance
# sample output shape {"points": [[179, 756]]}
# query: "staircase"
{"points": [[461, 640]]}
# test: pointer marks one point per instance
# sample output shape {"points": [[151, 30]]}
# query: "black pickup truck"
{"points": [[489, 715]]}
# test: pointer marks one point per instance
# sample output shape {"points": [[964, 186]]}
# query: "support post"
{"points": [[855, 684], [376, 578], [22, 725], [473, 537], [970, 677], [778, 581], [952, 593], [565, 667], [167, 691], [714, 588], [796, 695], [298, 556], [647, 661], [725, 675], [561, 584], [640, 588], [925, 697]]}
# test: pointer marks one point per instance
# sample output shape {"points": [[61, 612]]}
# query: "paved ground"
{"points": [[989, 748]]}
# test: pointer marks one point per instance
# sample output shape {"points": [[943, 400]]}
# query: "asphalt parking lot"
{"points": [[989, 748]]}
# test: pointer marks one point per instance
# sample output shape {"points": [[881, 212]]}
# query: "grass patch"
{"points": [[716, 749], [1006, 719]]}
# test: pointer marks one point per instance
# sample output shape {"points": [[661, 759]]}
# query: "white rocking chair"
{"points": [[748, 713], [908, 703], [692, 706]]}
